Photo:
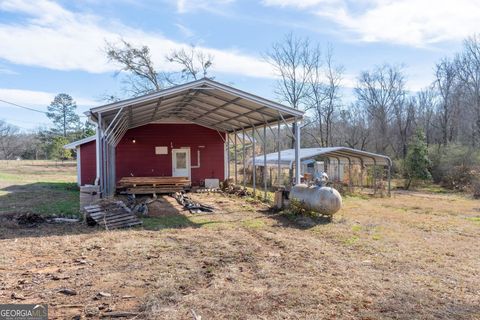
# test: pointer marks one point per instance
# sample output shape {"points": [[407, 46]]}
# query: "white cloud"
{"points": [[300, 4], [37, 99], [55, 38], [410, 22], [185, 6]]}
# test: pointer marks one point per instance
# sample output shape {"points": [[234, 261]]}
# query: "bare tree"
{"points": [[404, 119], [142, 76], [352, 128], [468, 73], [194, 63], [9, 143], [445, 83], [378, 92], [324, 95], [293, 60], [425, 101]]}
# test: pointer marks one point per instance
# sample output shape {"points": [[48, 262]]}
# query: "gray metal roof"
{"points": [[74, 144], [204, 102], [287, 157]]}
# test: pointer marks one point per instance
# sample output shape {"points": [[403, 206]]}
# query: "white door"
{"points": [[181, 163]]}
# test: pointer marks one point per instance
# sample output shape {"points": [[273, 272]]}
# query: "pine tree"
{"points": [[417, 162], [62, 113]]}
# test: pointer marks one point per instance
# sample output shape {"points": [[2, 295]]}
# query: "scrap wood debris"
{"points": [[111, 215], [229, 187], [189, 204], [30, 219]]}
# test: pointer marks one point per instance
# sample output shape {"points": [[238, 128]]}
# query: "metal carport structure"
{"points": [[364, 158], [229, 111]]}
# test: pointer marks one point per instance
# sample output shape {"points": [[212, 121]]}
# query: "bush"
{"points": [[454, 166], [417, 162]]}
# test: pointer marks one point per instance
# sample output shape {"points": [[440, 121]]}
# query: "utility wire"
{"points": [[23, 107], [31, 109]]}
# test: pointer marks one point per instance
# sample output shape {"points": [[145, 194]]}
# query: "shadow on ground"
{"points": [[57, 199], [290, 220]]}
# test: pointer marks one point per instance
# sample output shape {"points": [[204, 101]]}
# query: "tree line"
{"points": [[378, 114], [46, 143]]}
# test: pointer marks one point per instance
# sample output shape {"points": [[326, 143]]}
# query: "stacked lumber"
{"points": [[153, 185], [111, 215]]}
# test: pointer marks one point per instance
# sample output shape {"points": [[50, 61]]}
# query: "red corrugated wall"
{"points": [[139, 158], [88, 160]]}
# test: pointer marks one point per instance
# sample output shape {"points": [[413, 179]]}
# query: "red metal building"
{"points": [[182, 131], [150, 151]]}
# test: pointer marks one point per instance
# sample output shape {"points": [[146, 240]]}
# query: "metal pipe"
{"points": [[389, 180], [265, 163], [243, 157], [350, 183], [338, 169], [228, 156], [235, 156], [254, 171], [279, 173], [98, 151], [374, 176], [297, 152]]}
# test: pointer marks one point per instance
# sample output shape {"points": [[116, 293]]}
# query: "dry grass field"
{"points": [[413, 256]]}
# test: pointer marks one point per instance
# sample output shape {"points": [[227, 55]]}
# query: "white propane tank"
{"points": [[324, 200]]}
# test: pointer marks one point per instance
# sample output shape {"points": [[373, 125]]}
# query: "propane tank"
{"points": [[324, 200]]}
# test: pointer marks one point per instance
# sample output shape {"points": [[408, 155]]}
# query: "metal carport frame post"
{"points": [[254, 171], [297, 152], [235, 157], [265, 163], [243, 157]]}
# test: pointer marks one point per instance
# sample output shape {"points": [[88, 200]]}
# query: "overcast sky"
{"points": [[48, 47]]}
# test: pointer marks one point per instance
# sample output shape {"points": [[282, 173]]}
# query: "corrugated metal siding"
{"points": [[139, 158], [88, 163]]}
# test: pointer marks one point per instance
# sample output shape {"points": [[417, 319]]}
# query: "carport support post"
{"points": [[361, 173], [389, 178], [254, 171], [349, 174], [98, 152], [338, 170], [265, 171], [228, 155], [243, 156], [374, 176], [297, 152], [279, 174], [235, 155]]}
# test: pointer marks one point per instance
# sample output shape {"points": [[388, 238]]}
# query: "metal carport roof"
{"points": [[287, 157], [204, 102]]}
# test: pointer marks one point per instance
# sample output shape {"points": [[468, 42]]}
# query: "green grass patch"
{"points": [[474, 219], [64, 208], [351, 240], [254, 223], [357, 228], [376, 237]]}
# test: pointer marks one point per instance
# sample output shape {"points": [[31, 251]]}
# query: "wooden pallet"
{"points": [[112, 215], [154, 190], [126, 182]]}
